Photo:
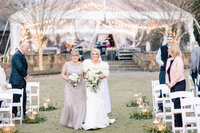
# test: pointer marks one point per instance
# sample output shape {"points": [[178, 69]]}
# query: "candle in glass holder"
{"points": [[12, 128], [31, 117], [29, 110], [161, 127], [140, 105], [46, 105], [7, 129], [145, 110], [136, 95], [48, 100], [156, 121], [34, 112]]}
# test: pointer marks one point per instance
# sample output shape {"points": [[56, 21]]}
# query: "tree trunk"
{"points": [[41, 67]]}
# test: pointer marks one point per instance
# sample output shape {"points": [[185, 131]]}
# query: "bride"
{"points": [[96, 116]]}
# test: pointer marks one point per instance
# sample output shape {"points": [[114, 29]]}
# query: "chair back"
{"points": [[181, 94]]}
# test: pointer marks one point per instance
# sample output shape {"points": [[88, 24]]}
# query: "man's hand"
{"points": [[5, 85], [26, 77]]}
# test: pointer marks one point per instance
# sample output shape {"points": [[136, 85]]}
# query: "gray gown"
{"points": [[74, 105]]}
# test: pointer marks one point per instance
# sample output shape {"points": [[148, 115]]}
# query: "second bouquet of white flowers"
{"points": [[74, 79], [93, 79]]}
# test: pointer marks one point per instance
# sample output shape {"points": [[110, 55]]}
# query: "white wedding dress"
{"points": [[96, 115], [107, 97]]}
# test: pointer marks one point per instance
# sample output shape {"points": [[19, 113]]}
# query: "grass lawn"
{"points": [[122, 87]]}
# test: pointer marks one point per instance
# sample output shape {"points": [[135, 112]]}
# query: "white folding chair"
{"points": [[19, 104], [33, 90], [167, 114], [197, 115], [6, 108], [188, 113], [154, 83], [174, 95], [156, 98]]}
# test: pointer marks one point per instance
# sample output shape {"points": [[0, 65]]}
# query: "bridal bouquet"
{"points": [[74, 79], [93, 79]]}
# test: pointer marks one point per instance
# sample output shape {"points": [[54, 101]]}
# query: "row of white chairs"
{"points": [[186, 98], [6, 109], [165, 100], [156, 88], [33, 90], [18, 104]]}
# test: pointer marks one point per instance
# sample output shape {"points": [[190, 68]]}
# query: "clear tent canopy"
{"points": [[86, 19]]}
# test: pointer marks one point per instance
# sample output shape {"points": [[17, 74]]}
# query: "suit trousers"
{"points": [[179, 86], [194, 76], [161, 81], [16, 97]]}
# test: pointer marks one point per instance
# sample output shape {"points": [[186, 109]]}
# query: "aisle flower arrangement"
{"points": [[33, 117], [143, 114], [47, 106], [158, 127], [139, 101]]}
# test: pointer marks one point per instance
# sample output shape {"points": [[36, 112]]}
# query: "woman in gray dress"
{"points": [[74, 104]]}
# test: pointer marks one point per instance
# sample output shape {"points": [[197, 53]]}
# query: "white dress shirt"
{"points": [[158, 57]]}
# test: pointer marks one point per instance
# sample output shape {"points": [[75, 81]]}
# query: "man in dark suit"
{"points": [[19, 74], [161, 59]]}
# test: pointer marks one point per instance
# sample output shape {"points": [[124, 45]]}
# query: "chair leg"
{"points": [[38, 103]]}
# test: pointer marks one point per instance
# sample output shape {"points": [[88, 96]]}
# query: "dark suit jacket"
{"points": [[19, 69]]}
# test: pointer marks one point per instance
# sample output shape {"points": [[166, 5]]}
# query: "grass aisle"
{"points": [[122, 89]]}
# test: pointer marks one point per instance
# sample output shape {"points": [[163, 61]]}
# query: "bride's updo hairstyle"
{"points": [[75, 52], [97, 50]]}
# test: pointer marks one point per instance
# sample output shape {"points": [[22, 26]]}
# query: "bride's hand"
{"points": [[103, 77], [66, 78], [84, 75]]}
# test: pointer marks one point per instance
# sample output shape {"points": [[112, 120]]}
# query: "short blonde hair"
{"points": [[194, 43], [97, 50], [75, 52], [175, 50]]}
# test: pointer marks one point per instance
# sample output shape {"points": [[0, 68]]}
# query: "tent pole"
{"points": [[6, 48], [104, 6], [197, 24], [104, 9], [94, 34], [4, 32]]}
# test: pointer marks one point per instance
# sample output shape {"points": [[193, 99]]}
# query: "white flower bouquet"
{"points": [[93, 79], [74, 79]]}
